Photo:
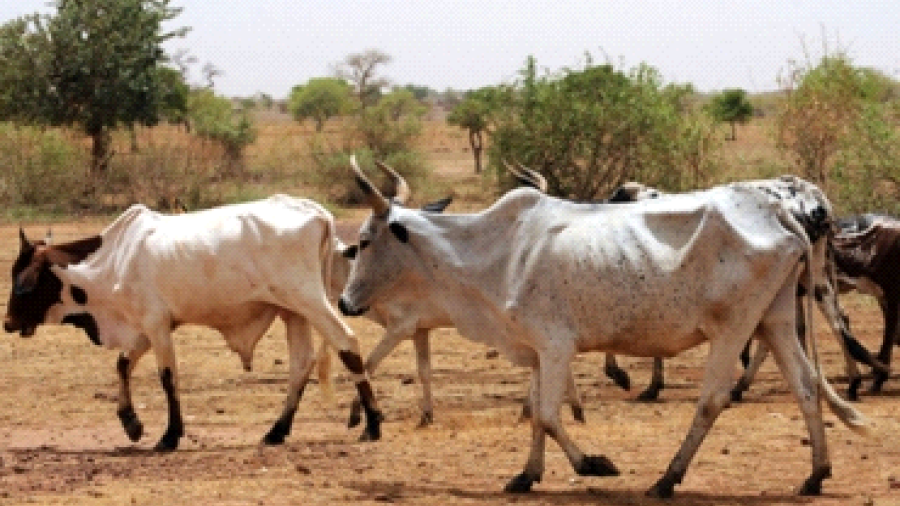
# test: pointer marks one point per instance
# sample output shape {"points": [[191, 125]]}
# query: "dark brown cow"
{"points": [[867, 253]]}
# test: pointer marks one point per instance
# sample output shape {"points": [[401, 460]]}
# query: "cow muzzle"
{"points": [[11, 326], [348, 310]]}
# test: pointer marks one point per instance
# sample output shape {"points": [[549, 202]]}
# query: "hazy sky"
{"points": [[271, 45]]}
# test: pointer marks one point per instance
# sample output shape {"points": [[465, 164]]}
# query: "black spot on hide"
{"points": [[352, 361], [78, 295], [85, 322], [399, 231]]}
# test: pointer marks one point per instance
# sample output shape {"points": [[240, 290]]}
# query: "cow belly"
{"points": [[228, 317]]}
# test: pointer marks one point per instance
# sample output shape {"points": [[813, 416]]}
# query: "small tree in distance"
{"points": [[731, 106], [472, 115], [320, 99], [361, 70]]}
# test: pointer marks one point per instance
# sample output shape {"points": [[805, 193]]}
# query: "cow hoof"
{"points": [[578, 414], [649, 395], [132, 425], [664, 489], [367, 436], [373, 426], [273, 439], [596, 465], [426, 420], [521, 484], [168, 443], [810, 487], [135, 431]]}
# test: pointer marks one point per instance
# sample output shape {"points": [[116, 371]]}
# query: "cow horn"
{"points": [[23, 241], [374, 198], [527, 176], [402, 189]]}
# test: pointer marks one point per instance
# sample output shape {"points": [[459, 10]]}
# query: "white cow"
{"points": [[542, 279], [233, 268], [409, 319]]}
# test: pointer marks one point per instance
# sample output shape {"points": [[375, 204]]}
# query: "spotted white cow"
{"points": [[528, 274], [410, 319], [233, 268]]}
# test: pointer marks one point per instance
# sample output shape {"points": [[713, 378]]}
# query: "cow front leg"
{"points": [[161, 343], [300, 351], [534, 468], [175, 428], [125, 411], [572, 397], [657, 382]]}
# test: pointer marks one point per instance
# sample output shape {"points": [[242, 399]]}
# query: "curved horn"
{"points": [[374, 198], [401, 187], [527, 176], [540, 182]]}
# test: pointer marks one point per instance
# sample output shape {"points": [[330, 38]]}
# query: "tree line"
{"points": [[99, 66]]}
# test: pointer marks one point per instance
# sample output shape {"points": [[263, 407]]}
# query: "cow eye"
{"points": [[363, 244]]}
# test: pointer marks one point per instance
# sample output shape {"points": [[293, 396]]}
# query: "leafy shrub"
{"points": [[589, 130], [42, 169]]}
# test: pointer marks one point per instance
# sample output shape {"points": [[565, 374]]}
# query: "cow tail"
{"points": [[323, 360], [850, 416]]}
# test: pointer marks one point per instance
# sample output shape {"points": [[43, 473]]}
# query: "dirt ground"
{"points": [[61, 443]]}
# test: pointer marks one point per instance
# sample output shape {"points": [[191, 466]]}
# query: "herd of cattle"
{"points": [[726, 266]]}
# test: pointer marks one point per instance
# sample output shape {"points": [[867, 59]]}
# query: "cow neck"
{"points": [[472, 250]]}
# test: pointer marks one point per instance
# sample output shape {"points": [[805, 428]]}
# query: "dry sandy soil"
{"points": [[61, 443]]}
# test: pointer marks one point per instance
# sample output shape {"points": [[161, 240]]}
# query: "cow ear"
{"points": [[350, 252], [73, 252], [438, 205], [399, 231]]}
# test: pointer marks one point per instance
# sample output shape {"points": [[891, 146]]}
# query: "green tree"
{"points": [[320, 99], [837, 123], [822, 104], [25, 85], [391, 124], [104, 59], [472, 115], [214, 117], [731, 106], [589, 130], [174, 92]]}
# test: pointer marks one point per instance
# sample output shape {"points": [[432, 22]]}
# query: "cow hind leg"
{"points": [[423, 368], [617, 374], [714, 397], [300, 350], [124, 366], [891, 313], [750, 370], [801, 379]]}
